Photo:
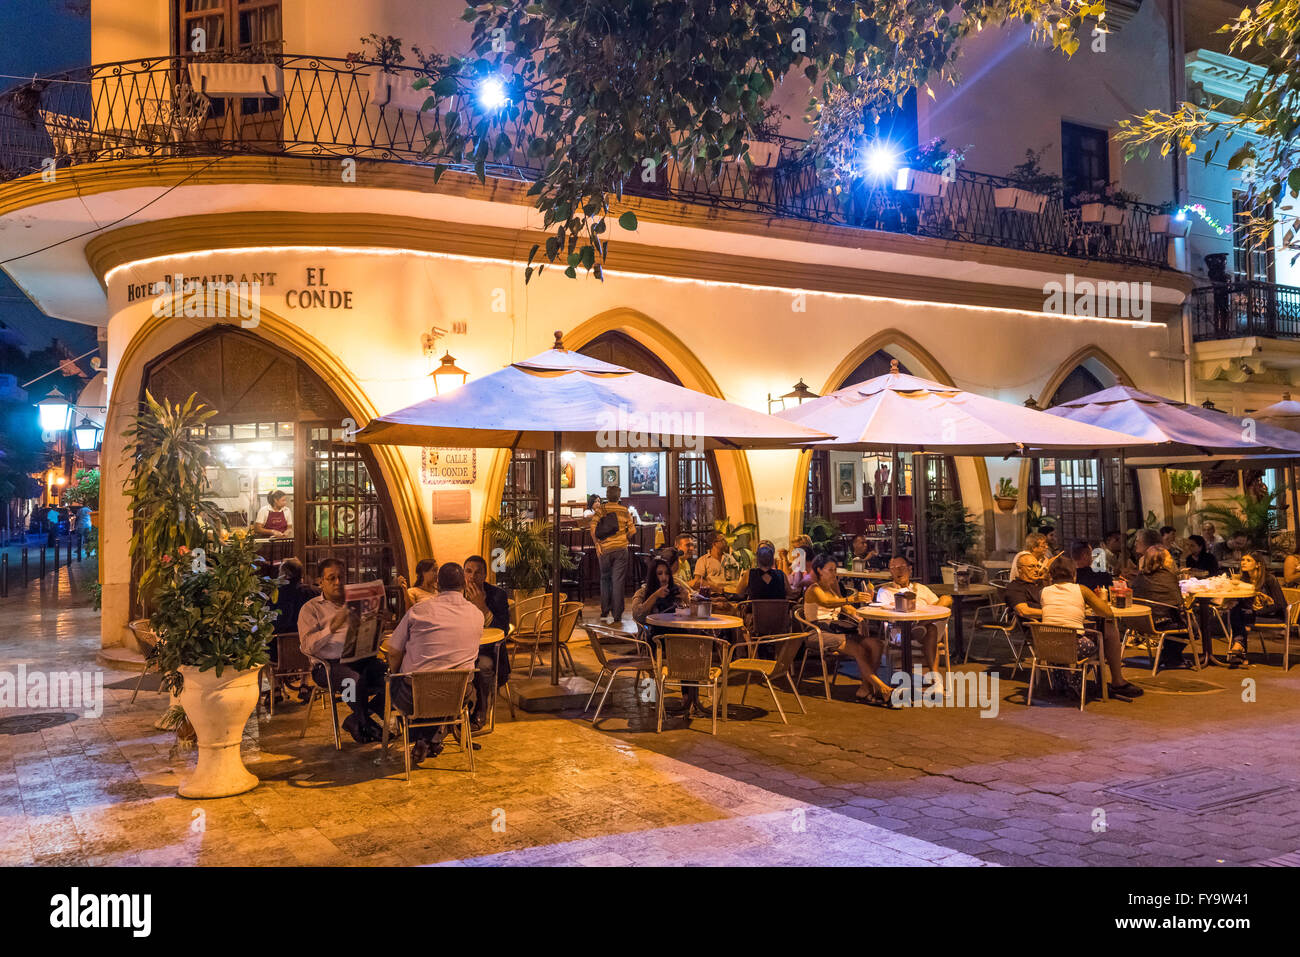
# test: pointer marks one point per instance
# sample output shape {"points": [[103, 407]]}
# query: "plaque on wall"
{"points": [[448, 466], [451, 506]]}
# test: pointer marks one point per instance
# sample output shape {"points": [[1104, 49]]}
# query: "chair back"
{"points": [[787, 649], [1055, 645], [290, 654], [439, 694], [768, 616], [689, 657], [143, 632], [526, 611], [569, 612], [1292, 596]]}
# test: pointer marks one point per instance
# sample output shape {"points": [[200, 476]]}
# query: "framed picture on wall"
{"points": [[846, 483], [643, 477], [611, 475]]}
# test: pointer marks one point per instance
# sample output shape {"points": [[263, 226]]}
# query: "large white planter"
{"points": [[394, 91], [1165, 224], [921, 182], [764, 154], [218, 708], [1021, 200], [237, 79]]}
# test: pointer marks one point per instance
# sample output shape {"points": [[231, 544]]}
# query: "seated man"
{"points": [[1084, 572], [323, 627], [927, 633], [711, 574], [439, 634], [488, 599]]}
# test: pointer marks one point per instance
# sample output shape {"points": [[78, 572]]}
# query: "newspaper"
{"points": [[365, 601]]}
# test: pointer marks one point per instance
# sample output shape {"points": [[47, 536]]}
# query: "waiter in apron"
{"points": [[274, 519]]}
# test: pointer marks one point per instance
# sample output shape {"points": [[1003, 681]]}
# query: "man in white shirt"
{"points": [[441, 633], [323, 625], [927, 633]]}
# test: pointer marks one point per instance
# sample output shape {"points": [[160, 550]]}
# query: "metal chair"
{"points": [[786, 647], [1288, 626], [997, 620], [143, 633], [523, 620], [1157, 635], [290, 663], [1057, 649], [827, 656], [437, 698], [765, 616], [328, 692], [540, 637], [688, 663], [644, 660]]}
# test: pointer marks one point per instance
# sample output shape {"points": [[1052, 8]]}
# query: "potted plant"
{"points": [[952, 532], [1105, 204], [1036, 518], [250, 72], [765, 148], [525, 549], [822, 531], [1182, 485], [1170, 221], [1251, 516], [167, 485], [1030, 186], [1006, 495], [738, 540], [927, 175], [212, 620]]}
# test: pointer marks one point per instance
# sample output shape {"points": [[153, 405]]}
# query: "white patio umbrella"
{"points": [[561, 399], [903, 413], [1285, 415], [1174, 432]]}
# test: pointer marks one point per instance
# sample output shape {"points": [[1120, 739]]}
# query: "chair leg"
{"points": [[745, 691], [306, 718], [826, 680], [139, 681], [466, 739], [596, 716], [334, 714], [795, 691], [1029, 695], [406, 749], [659, 685], [776, 701], [716, 694], [594, 688], [1155, 655], [1083, 688]]}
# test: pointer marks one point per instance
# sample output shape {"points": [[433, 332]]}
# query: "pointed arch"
{"points": [[736, 478], [1093, 358], [972, 472]]}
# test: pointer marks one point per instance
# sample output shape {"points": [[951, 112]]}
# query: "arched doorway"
{"points": [[279, 426], [865, 505], [677, 489], [1081, 495]]}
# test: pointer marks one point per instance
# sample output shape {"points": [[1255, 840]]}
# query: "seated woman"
{"points": [[426, 582], [1157, 581], [1268, 602], [765, 581], [1291, 569], [843, 627], [660, 595], [796, 564], [1064, 602], [1201, 561]]}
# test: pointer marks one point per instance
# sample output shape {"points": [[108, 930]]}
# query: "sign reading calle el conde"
{"points": [[448, 466]]}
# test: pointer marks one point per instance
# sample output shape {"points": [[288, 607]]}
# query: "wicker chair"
{"points": [[1057, 649], [1138, 637], [688, 663], [786, 647], [143, 633], [524, 616], [290, 663], [830, 659], [1287, 626], [640, 659], [437, 698], [765, 616], [540, 637]]}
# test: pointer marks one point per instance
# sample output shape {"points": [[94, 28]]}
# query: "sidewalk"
{"points": [[844, 784]]}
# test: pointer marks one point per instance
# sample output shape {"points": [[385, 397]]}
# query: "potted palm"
{"points": [[738, 540], [1006, 495], [212, 620], [1244, 514], [953, 533], [1182, 485], [523, 549]]}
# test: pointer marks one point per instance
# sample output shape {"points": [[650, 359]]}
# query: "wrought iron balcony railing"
{"points": [[323, 107], [1234, 310]]}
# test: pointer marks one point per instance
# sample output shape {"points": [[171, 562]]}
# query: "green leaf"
{"points": [[628, 221]]}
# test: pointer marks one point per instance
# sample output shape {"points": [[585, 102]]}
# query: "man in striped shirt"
{"points": [[611, 530]]}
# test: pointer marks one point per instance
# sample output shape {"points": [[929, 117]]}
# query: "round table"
{"points": [[895, 619], [869, 575], [687, 623], [978, 592], [1202, 600]]}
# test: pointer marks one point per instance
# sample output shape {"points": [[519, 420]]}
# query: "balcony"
{"points": [[193, 106], [1239, 310]]}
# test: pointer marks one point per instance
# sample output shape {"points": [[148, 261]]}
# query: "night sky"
{"points": [[39, 36]]}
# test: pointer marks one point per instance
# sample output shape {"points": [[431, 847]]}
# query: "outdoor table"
{"points": [[895, 619], [1202, 600], [676, 622], [872, 575], [997, 564], [979, 593]]}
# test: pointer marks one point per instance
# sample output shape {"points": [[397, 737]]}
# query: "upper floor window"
{"points": [[228, 26], [1085, 158], [1251, 261]]}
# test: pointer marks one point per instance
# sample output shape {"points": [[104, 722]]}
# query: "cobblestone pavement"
{"points": [[843, 784]]}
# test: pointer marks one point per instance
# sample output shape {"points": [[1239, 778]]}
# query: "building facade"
{"points": [[299, 179]]}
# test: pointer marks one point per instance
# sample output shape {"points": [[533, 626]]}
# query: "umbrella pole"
{"points": [[555, 563], [1123, 501], [893, 502], [920, 521], [1295, 508]]}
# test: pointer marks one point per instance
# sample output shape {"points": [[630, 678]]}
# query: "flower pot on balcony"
{"points": [[394, 91], [1005, 503], [237, 79], [921, 183], [764, 154], [218, 708], [1163, 224], [1021, 200]]}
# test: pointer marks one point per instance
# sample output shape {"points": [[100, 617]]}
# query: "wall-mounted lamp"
{"points": [[797, 395], [448, 376]]}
